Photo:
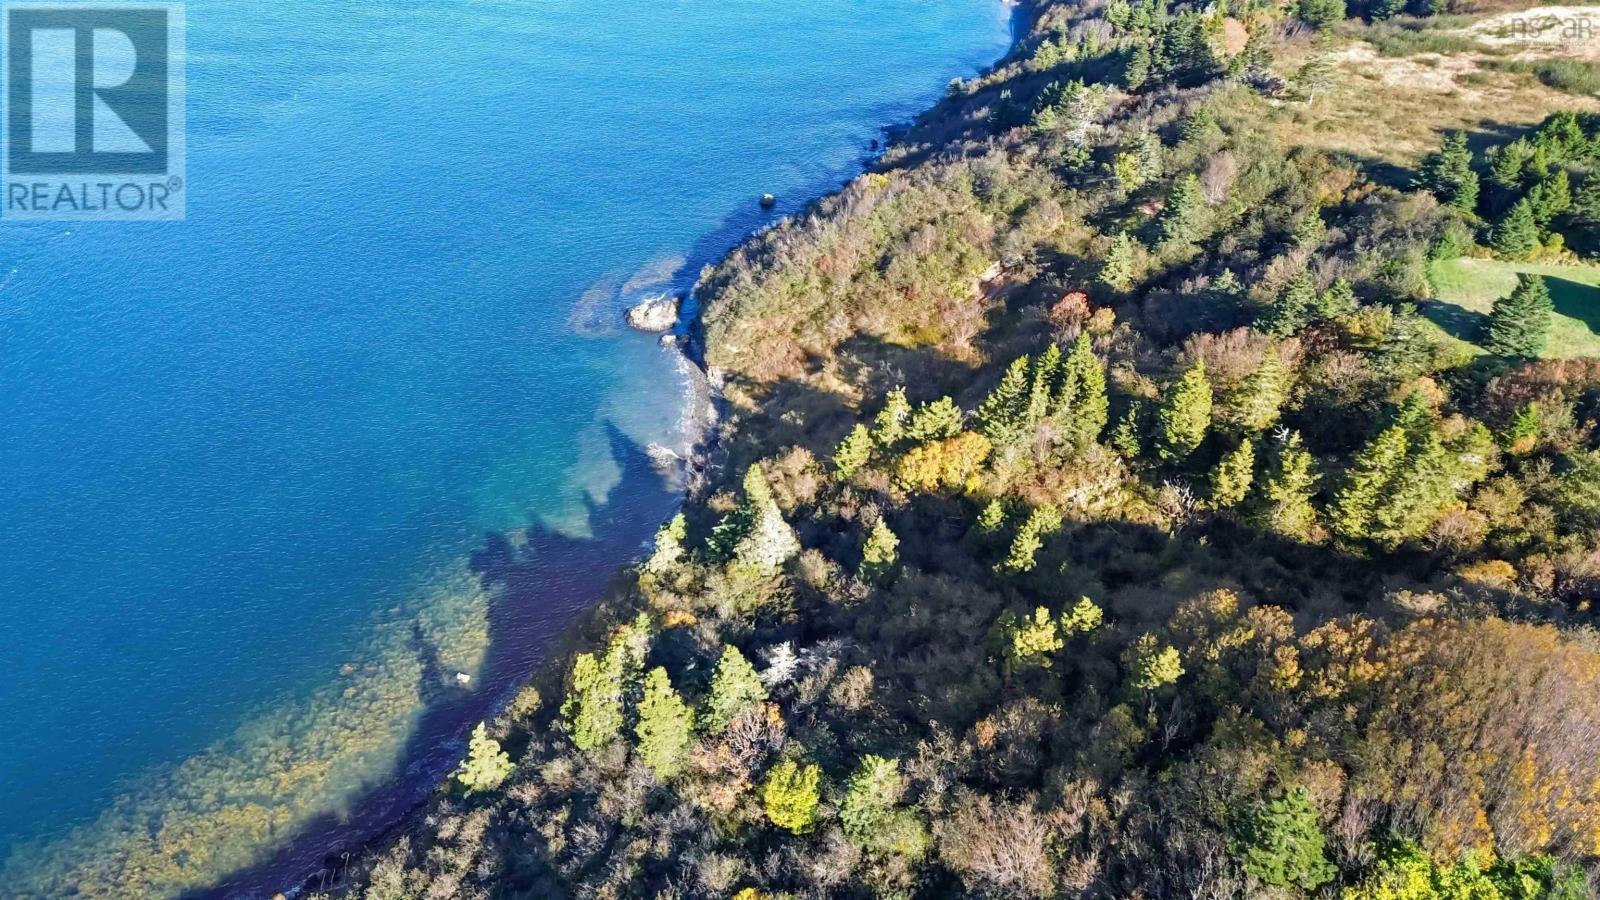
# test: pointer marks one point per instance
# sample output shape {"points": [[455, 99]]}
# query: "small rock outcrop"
{"points": [[655, 314]]}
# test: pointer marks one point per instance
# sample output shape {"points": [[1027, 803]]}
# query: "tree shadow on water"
{"points": [[543, 580]]}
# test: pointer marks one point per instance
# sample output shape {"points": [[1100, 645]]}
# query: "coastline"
{"points": [[403, 806]]}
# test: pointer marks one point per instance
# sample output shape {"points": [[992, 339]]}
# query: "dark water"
{"points": [[239, 448]]}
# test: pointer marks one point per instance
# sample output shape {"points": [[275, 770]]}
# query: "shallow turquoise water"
{"points": [[389, 327]]}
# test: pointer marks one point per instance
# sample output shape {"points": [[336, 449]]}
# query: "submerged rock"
{"points": [[768, 201], [655, 314]]}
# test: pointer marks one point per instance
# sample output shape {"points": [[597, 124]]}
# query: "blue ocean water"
{"points": [[389, 327]]}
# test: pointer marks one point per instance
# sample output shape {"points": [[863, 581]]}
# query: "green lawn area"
{"points": [[1467, 288]]}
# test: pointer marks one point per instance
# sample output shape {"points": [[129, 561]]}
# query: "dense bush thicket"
{"points": [[1095, 518]]}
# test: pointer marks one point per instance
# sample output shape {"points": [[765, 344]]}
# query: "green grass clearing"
{"points": [[1467, 288]]}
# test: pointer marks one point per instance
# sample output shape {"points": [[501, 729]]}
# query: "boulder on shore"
{"points": [[656, 314]]}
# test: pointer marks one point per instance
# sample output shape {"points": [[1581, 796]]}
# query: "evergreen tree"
{"points": [[1042, 521], [1519, 325], [1082, 618], [853, 453], [669, 546], [1371, 473], [486, 766], [1002, 418], [1183, 217], [769, 541], [1315, 77], [735, 688], [874, 789], [1279, 842], [1116, 272], [1550, 198], [1127, 438], [1151, 153], [1516, 235], [1230, 482], [1028, 643], [936, 421], [1185, 415], [1523, 435], [1586, 202], [1399, 482], [1080, 404], [1294, 309], [991, 518], [666, 726], [889, 427], [1322, 13], [1286, 492], [1125, 169], [1042, 386], [1337, 301], [1448, 173], [1508, 162], [1310, 231], [881, 552], [790, 796], [1151, 664], [592, 711], [1136, 70], [1259, 400]]}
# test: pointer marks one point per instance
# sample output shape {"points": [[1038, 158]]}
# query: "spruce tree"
{"points": [[1127, 438], [1321, 13], [1279, 842], [1294, 309], [1028, 643], [1185, 415], [665, 728], [1116, 272], [790, 795], [769, 541], [669, 546], [1260, 397], [1230, 481], [1516, 235], [1315, 77], [1080, 404], [735, 688], [1508, 162], [889, 427], [1042, 521], [881, 552], [486, 765], [592, 711], [1042, 385], [936, 421], [1519, 325], [1151, 664], [1448, 174], [1286, 491], [1400, 481], [1337, 301], [853, 453], [1371, 473], [1550, 198], [875, 787], [1182, 219], [1002, 417]]}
